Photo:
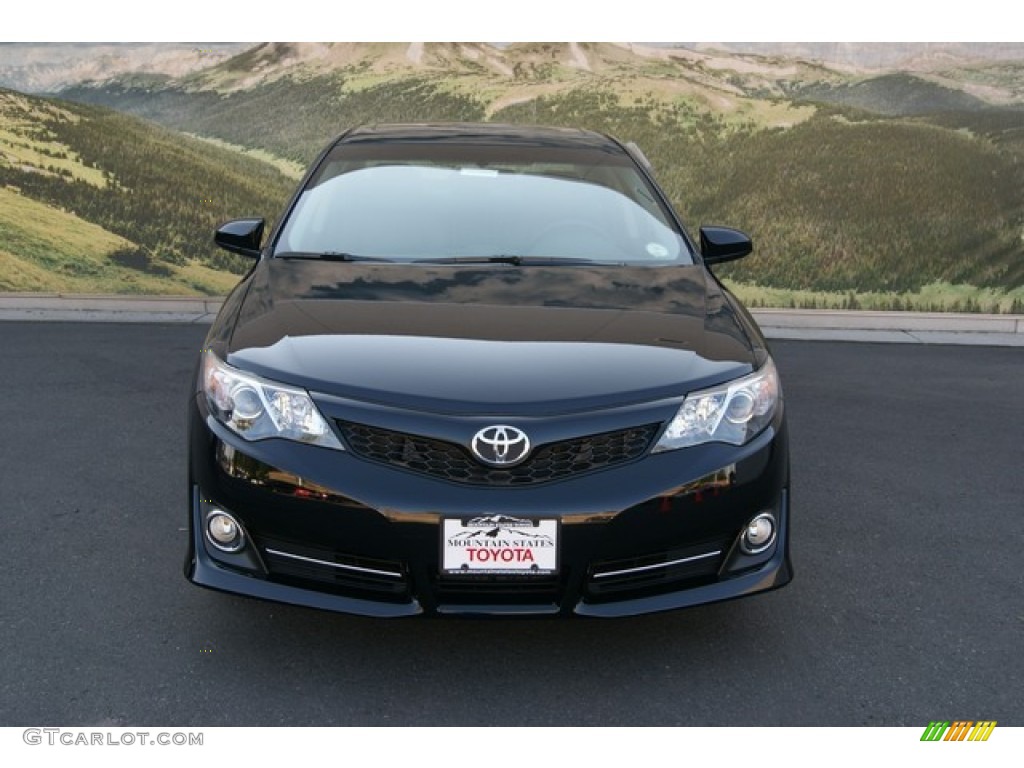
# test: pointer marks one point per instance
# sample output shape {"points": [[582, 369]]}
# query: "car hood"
{"points": [[492, 339]]}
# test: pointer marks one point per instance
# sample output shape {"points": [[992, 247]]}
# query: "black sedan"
{"points": [[483, 369]]}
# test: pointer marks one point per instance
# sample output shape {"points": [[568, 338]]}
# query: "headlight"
{"points": [[731, 413], [255, 408]]}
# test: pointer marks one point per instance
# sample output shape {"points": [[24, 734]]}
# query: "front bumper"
{"points": [[329, 530]]}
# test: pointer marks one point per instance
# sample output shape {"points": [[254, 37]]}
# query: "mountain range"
{"points": [[49, 67]]}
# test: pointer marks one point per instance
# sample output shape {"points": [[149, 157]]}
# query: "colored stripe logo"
{"points": [[960, 730]]}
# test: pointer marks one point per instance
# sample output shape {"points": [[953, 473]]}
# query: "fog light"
{"points": [[224, 532], [759, 534]]}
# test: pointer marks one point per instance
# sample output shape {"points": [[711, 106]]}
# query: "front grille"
{"points": [[450, 461], [656, 573], [298, 564]]}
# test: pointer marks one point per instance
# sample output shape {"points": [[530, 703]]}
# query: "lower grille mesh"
{"points": [[543, 590], [348, 574], [659, 572]]}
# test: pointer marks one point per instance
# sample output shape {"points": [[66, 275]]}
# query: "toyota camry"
{"points": [[485, 369]]}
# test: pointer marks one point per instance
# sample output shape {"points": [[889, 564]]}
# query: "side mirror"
{"points": [[721, 244], [242, 236]]}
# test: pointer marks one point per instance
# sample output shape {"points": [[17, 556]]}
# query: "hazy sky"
{"points": [[536, 20]]}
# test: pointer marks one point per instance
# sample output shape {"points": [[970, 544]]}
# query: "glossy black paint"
{"points": [[441, 351], [525, 339], [241, 236], [721, 244]]}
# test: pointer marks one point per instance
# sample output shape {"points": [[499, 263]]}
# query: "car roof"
{"points": [[479, 133]]}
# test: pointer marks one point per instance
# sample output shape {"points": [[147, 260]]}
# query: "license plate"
{"points": [[499, 544]]}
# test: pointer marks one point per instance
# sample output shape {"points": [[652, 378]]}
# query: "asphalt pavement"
{"points": [[906, 607]]}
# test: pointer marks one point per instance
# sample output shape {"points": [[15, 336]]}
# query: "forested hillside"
{"points": [[161, 193], [291, 119], [835, 203], [896, 94]]}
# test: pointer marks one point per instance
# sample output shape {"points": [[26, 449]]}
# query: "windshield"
{"points": [[418, 201]]}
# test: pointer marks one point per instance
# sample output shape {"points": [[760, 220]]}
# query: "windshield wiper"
{"points": [[329, 256], [518, 261]]}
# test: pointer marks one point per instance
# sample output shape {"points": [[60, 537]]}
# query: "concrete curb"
{"points": [[108, 308], [892, 327], [950, 322], [805, 324]]}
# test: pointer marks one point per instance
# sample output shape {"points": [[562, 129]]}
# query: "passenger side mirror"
{"points": [[721, 244]]}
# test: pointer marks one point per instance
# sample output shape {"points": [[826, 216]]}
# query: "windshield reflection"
{"points": [[604, 214]]}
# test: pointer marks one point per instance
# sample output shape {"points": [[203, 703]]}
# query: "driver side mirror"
{"points": [[241, 236]]}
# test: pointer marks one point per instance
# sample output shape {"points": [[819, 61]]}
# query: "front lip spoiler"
{"points": [[200, 569], [775, 573]]}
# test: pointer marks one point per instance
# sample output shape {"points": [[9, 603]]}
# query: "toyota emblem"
{"points": [[500, 445]]}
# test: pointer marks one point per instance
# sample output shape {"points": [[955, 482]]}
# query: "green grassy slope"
{"points": [[833, 204], [875, 206], [45, 249], [161, 192]]}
